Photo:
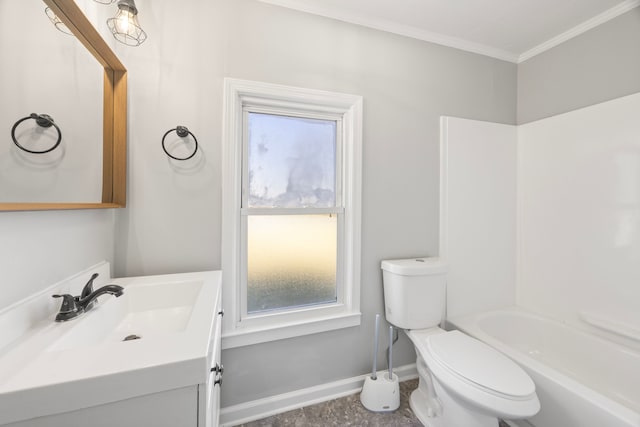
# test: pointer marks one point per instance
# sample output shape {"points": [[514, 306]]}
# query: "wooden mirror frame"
{"points": [[114, 120]]}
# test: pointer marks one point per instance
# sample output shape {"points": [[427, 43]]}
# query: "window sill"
{"points": [[250, 336]]}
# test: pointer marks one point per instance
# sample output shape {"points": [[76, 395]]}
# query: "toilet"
{"points": [[462, 381]]}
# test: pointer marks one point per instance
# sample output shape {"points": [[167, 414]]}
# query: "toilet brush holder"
{"points": [[381, 394]]}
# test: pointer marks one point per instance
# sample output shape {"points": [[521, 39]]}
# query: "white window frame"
{"points": [[243, 95]]}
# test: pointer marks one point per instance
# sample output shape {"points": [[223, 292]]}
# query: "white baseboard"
{"points": [[268, 406]]}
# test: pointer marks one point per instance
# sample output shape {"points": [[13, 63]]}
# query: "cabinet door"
{"points": [[213, 404], [210, 392], [173, 408]]}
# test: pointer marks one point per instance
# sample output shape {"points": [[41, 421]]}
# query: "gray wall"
{"points": [[38, 249], [597, 66], [172, 222], [173, 219]]}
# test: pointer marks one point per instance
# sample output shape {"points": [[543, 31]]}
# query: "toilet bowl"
{"points": [[462, 381], [473, 378]]}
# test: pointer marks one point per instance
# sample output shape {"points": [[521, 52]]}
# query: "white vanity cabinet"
{"points": [[173, 408], [170, 377], [209, 393]]}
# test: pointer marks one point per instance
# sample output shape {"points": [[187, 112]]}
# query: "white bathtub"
{"points": [[582, 380]]}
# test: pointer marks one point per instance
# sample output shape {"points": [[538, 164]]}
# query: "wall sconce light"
{"points": [[57, 22], [124, 26]]}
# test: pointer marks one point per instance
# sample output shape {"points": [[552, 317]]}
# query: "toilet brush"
{"points": [[381, 393]]}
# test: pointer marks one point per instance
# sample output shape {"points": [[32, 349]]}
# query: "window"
{"points": [[291, 211]]}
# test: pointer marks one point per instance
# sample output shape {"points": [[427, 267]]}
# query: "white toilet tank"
{"points": [[414, 292]]}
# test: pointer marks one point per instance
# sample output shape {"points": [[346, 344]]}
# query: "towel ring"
{"points": [[43, 120], [182, 132]]}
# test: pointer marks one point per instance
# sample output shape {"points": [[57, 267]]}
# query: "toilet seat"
{"points": [[486, 368], [477, 373]]}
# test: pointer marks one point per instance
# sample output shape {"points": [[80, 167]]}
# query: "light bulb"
{"points": [[122, 21], [124, 26]]}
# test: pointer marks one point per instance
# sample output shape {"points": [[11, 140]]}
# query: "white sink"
{"points": [[64, 366], [145, 311]]}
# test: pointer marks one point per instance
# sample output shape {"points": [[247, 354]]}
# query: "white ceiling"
{"points": [[512, 30]]}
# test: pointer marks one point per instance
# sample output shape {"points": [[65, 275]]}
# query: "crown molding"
{"points": [[579, 29], [457, 43], [395, 28]]}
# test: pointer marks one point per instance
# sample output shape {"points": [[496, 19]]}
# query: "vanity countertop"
{"points": [[59, 367]]}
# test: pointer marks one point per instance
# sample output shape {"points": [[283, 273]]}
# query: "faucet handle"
{"points": [[68, 309], [68, 303], [88, 288]]}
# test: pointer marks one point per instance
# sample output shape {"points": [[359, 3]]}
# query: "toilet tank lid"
{"points": [[415, 266]]}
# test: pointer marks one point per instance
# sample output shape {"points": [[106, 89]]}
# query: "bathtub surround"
{"points": [[578, 244], [478, 214], [579, 227], [172, 221]]}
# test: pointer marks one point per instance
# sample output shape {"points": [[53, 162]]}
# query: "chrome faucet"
{"points": [[86, 303], [72, 306]]}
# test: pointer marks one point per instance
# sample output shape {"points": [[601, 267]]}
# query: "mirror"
{"points": [[87, 169]]}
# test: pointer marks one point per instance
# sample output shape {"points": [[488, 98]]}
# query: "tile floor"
{"points": [[346, 411]]}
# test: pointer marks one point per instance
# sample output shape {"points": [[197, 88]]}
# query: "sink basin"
{"points": [[153, 338], [144, 311]]}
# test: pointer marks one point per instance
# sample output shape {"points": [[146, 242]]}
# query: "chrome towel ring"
{"points": [[182, 132], [43, 120]]}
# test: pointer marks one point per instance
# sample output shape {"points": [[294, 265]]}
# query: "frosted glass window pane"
{"points": [[291, 161], [291, 261]]}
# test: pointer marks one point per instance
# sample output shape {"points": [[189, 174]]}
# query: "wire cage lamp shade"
{"points": [[124, 26], [60, 26]]}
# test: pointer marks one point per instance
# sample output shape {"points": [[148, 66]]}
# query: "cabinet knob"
{"points": [[221, 313]]}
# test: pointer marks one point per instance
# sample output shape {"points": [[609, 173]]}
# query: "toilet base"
{"points": [[434, 406], [419, 406]]}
